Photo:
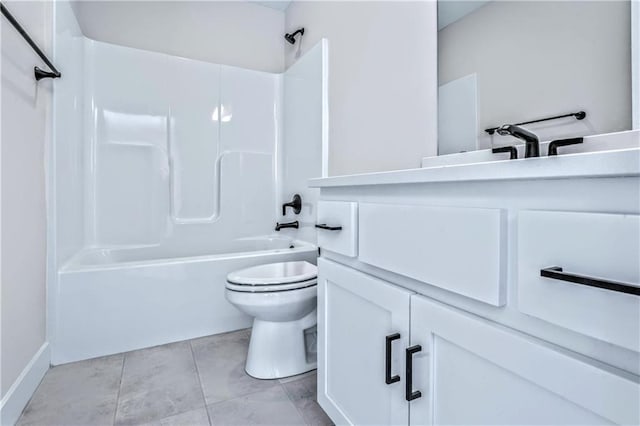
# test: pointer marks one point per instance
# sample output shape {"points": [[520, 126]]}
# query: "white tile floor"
{"points": [[196, 382]]}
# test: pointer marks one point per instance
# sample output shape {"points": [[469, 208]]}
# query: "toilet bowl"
{"points": [[282, 298]]}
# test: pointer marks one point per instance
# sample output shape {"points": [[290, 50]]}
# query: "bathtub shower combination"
{"points": [[112, 300], [168, 174]]}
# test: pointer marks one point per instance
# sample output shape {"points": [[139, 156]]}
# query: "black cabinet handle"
{"points": [[556, 273], [410, 394], [328, 228], [388, 378]]}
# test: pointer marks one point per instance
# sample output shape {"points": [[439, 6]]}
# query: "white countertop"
{"points": [[613, 163]]}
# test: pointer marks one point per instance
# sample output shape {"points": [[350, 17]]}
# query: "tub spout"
{"points": [[279, 226]]}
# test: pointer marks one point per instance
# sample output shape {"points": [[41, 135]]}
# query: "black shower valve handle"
{"points": [[295, 204]]}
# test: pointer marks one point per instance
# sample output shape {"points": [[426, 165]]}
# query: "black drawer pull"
{"points": [[556, 273], [388, 378], [328, 228], [410, 394]]}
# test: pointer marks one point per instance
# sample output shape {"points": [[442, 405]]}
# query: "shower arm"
{"points": [[291, 38]]}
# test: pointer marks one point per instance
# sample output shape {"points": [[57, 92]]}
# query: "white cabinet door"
{"points": [[356, 313], [471, 371]]}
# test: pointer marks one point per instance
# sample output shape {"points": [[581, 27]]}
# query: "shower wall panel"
{"points": [[304, 133], [194, 144], [172, 140], [66, 187]]}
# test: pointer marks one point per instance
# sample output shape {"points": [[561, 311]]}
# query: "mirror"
{"points": [[508, 62]]}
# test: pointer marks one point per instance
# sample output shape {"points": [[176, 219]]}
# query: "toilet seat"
{"points": [[273, 277], [248, 288]]}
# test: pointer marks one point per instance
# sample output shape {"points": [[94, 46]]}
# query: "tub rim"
{"points": [[71, 267]]}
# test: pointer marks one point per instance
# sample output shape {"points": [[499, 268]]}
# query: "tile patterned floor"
{"points": [[196, 382]]}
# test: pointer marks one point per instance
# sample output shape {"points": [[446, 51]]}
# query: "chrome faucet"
{"points": [[532, 144], [280, 226]]}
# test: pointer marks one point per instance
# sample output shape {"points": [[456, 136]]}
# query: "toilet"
{"points": [[282, 298]]}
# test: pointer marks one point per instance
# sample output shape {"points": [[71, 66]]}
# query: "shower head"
{"points": [[291, 38]]}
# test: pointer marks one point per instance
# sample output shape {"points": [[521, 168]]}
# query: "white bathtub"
{"points": [[112, 300]]}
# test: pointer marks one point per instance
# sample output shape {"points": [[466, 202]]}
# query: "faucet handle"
{"points": [[296, 204], [510, 149], [553, 145]]}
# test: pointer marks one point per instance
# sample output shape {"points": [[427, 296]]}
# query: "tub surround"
{"points": [[438, 269], [168, 173]]}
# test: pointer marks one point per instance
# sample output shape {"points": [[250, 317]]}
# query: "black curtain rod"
{"points": [[578, 116], [39, 73]]}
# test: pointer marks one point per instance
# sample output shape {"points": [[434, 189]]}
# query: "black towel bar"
{"points": [[38, 73], [580, 115]]}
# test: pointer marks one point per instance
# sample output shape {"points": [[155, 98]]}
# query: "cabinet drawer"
{"points": [[605, 247], [462, 250], [336, 214]]}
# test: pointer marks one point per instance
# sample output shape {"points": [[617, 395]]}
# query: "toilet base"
{"points": [[278, 349]]}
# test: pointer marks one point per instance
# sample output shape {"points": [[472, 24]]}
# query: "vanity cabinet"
{"points": [[512, 288], [446, 366]]}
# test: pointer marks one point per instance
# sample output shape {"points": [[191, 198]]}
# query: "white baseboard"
{"points": [[25, 385]]}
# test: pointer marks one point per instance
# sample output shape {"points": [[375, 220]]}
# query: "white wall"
{"points": [[382, 80], [25, 117], [235, 33], [539, 58]]}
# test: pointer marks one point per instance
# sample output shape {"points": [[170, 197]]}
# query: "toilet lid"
{"points": [[273, 274]]}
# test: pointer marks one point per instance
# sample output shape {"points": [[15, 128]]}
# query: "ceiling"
{"points": [[450, 11], [276, 4]]}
